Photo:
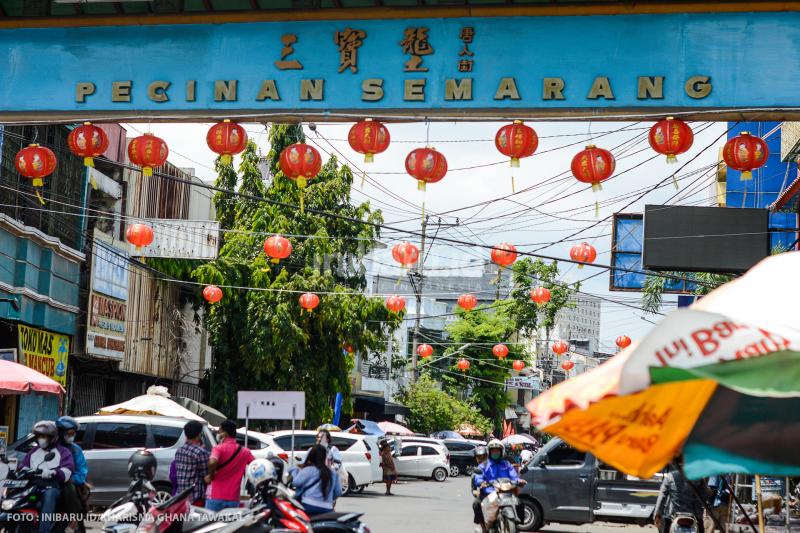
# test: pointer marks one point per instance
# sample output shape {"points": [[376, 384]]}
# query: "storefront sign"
{"points": [[105, 332], [523, 382], [44, 352], [109, 270], [407, 66]]}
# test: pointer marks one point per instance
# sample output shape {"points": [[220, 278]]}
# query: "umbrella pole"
{"points": [[739, 504], [760, 505]]}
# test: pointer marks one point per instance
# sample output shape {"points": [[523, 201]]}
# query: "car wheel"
{"points": [[358, 490], [454, 471], [163, 493], [532, 518], [440, 474]]}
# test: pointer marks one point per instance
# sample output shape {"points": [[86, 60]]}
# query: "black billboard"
{"points": [[704, 239]]}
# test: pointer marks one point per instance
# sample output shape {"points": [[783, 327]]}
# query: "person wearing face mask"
{"points": [[494, 468], [55, 472], [226, 468], [75, 495]]}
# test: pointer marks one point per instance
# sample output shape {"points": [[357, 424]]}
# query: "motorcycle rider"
{"points": [[496, 467], [76, 493], [480, 457], [55, 472]]}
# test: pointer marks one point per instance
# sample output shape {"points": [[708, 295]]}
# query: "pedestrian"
{"points": [[75, 496], [677, 496], [387, 465], [191, 463], [226, 467], [55, 471], [317, 484], [334, 457]]}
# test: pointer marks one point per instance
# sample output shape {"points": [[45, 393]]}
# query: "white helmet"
{"points": [[494, 444], [260, 471], [525, 457]]}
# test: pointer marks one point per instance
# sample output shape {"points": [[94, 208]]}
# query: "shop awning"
{"points": [[20, 379]]}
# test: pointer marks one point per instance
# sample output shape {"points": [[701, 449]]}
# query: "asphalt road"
{"points": [[431, 507]]}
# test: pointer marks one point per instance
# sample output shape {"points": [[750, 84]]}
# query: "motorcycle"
{"points": [[683, 523], [126, 517], [20, 499], [127, 511], [507, 519]]}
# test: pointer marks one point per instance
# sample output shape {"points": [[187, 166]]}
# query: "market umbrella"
{"points": [[720, 381], [211, 415], [513, 440], [447, 435], [329, 427], [468, 430], [366, 426], [394, 429], [155, 402], [21, 379]]}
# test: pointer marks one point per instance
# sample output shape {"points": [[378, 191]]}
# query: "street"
{"points": [[430, 507]]}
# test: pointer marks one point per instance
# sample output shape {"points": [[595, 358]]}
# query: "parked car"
{"points": [[462, 456], [427, 440], [359, 452], [423, 460], [569, 486], [108, 442]]}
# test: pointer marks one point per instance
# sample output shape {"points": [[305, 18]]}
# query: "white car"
{"points": [[424, 460], [359, 452]]}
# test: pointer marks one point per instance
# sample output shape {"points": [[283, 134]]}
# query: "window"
{"points": [[79, 436], [459, 447], [564, 455], [409, 451], [343, 443], [301, 442], [166, 436], [427, 450], [113, 435]]}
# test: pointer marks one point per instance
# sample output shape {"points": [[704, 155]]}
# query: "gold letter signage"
{"points": [[349, 42], [415, 43]]}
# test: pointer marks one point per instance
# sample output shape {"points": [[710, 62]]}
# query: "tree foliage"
{"points": [[261, 339], [433, 409]]}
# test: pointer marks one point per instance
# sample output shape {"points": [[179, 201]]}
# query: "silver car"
{"points": [[108, 442]]}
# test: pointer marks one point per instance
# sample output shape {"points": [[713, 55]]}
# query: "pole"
{"points": [[786, 500], [294, 415], [246, 423], [418, 294], [760, 505]]}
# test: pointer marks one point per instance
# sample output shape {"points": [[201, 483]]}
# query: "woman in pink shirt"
{"points": [[226, 468]]}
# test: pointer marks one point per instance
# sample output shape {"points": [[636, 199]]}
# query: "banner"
{"points": [[44, 352]]}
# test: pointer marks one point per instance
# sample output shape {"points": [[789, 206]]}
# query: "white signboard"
{"points": [[109, 269], [523, 382], [271, 405], [180, 239]]}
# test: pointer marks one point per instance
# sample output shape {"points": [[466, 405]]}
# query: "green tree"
{"points": [[432, 409], [262, 340]]}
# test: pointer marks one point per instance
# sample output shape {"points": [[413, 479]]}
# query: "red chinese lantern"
{"points": [[368, 137], [309, 301], [671, 137], [212, 294], [300, 162], [560, 347], [516, 141], [567, 365], [540, 295], [395, 303], [148, 151], [87, 141], [139, 235], [347, 347], [745, 153], [467, 302], [426, 165], [500, 351], [277, 247], [583, 252], [424, 350], [519, 366], [463, 365], [504, 254], [35, 162], [405, 253], [593, 165], [227, 139], [623, 341]]}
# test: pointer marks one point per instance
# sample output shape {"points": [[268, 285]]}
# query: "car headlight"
{"points": [[7, 505]]}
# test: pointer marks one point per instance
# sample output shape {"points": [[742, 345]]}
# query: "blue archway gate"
{"points": [[707, 64]]}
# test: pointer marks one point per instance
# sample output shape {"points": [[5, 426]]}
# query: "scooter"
{"points": [[506, 520], [683, 523], [124, 514]]}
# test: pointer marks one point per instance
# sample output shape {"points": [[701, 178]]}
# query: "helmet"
{"points": [[481, 451], [277, 463], [45, 427], [526, 456], [260, 471], [494, 444], [67, 423], [142, 464]]}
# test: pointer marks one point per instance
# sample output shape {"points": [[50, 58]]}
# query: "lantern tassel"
{"points": [[513, 189], [671, 159], [37, 182], [420, 185], [226, 159], [275, 260], [597, 187], [39, 196], [88, 161], [302, 202], [369, 158], [747, 175], [596, 209], [580, 266], [515, 162], [675, 183], [363, 178], [147, 171]]}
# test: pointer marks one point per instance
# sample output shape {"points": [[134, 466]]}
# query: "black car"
{"points": [[462, 456]]}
